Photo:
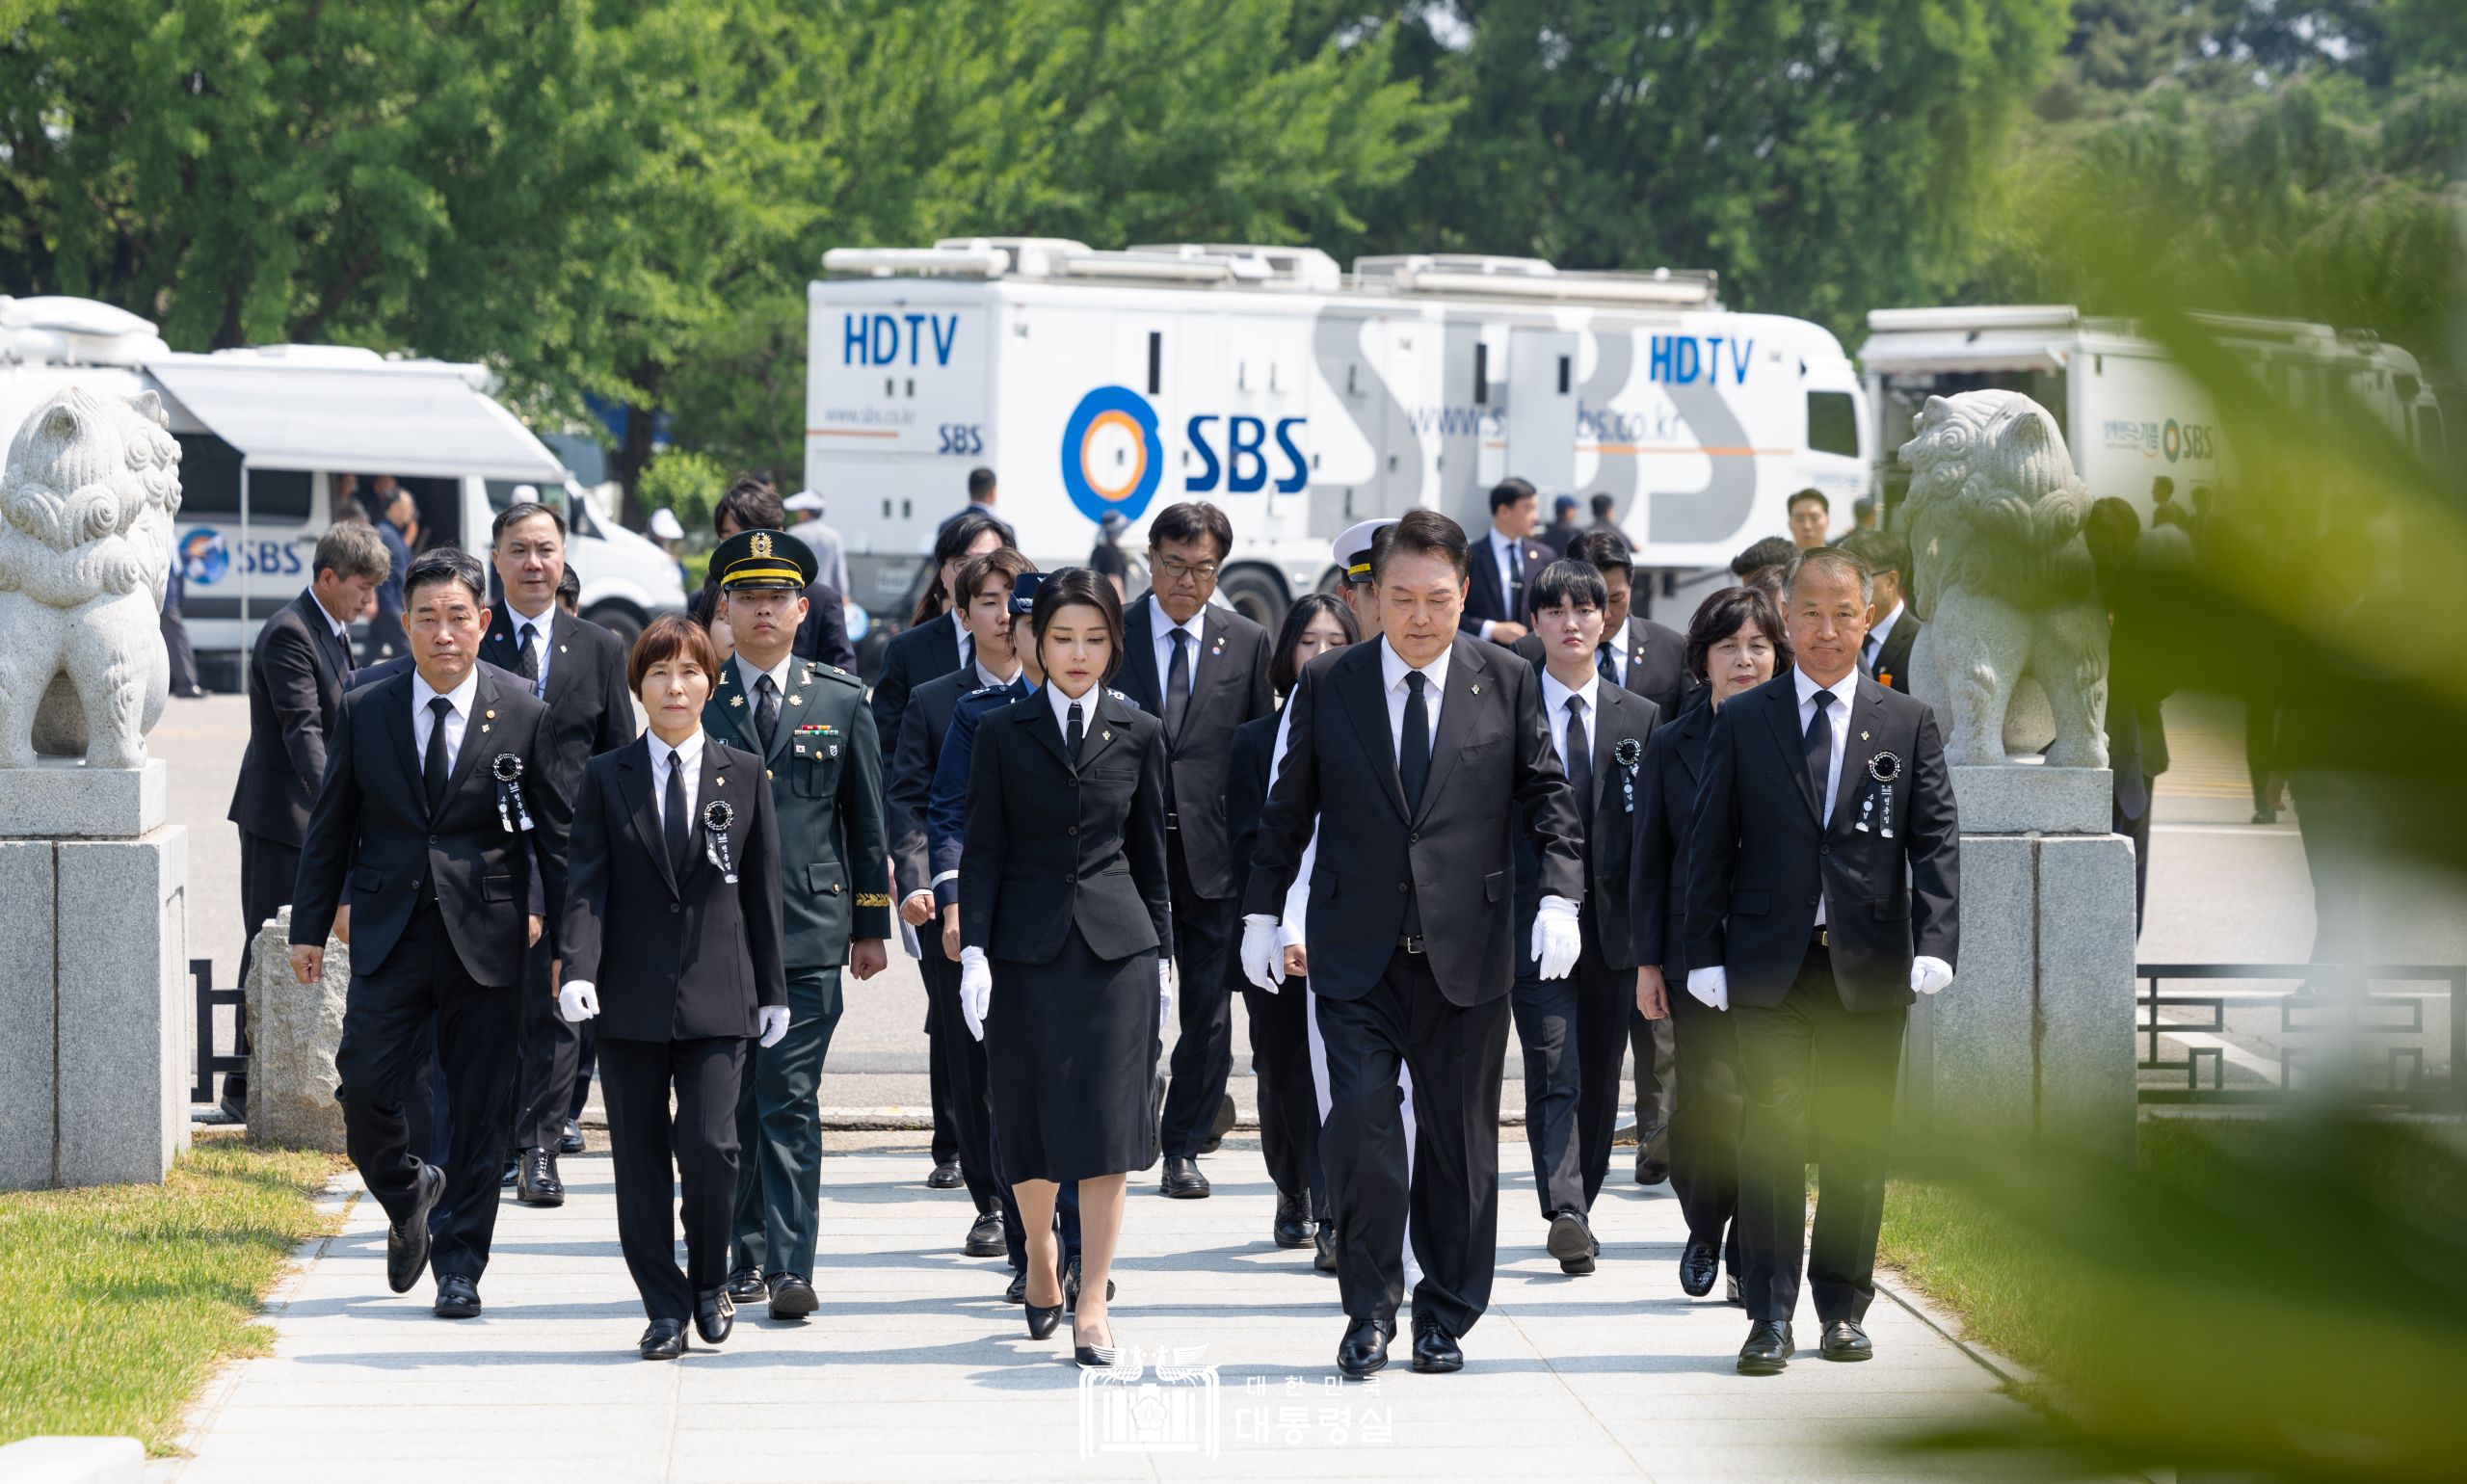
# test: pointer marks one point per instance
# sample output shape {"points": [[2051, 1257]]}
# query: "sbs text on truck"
{"points": [[1301, 399]]}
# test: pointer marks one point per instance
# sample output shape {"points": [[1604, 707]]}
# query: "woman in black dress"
{"points": [[1280, 1022], [671, 936], [1735, 643], [1063, 910]]}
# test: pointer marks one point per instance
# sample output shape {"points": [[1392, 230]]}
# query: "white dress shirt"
{"points": [[1392, 668], [547, 626], [747, 675], [342, 630], [966, 642], [1876, 636], [1845, 690], [689, 753], [1554, 704], [984, 676], [457, 721], [1165, 629], [1617, 645]]}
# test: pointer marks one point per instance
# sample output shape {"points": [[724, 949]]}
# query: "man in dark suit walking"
{"points": [[1204, 670], [298, 671], [1500, 568], [1884, 656], [1417, 756], [434, 803], [577, 670], [1823, 881]]}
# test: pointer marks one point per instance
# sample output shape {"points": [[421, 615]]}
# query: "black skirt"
{"points": [[1070, 1064]]}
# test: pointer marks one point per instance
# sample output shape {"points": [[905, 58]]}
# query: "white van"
{"points": [[1302, 399], [266, 431]]}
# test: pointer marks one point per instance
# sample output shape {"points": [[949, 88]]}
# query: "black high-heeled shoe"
{"points": [[1042, 1321], [1090, 1357]]}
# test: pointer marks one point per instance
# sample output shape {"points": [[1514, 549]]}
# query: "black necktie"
{"points": [[673, 822], [1606, 664], [1072, 734], [1413, 744], [1178, 685], [342, 642], [1868, 657], [529, 639], [432, 763], [1579, 758], [766, 709], [1515, 585], [967, 651], [1819, 749]]}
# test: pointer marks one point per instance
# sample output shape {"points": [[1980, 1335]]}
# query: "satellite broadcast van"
{"points": [[2129, 412], [1301, 399], [266, 431]]}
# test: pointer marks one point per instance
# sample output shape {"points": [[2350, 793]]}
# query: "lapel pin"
{"points": [[1109, 737], [736, 700], [796, 700], [1477, 690], [483, 726], [1863, 736], [493, 715]]}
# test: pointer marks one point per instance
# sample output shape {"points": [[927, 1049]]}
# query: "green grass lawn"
{"points": [[131, 1294]]}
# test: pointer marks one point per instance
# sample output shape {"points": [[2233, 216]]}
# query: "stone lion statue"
{"points": [[86, 506], [2003, 579]]}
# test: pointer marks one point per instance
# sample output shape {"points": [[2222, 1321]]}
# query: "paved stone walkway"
{"points": [[914, 1370]]}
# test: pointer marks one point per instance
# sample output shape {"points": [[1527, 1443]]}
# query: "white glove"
{"points": [[1712, 986], [1556, 942], [976, 990], [1930, 976], [577, 1002], [1164, 990], [1263, 958], [772, 1021]]}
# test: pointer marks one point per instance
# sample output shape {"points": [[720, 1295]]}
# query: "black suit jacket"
{"points": [[372, 821], [1048, 845], [298, 671], [1246, 792], [1758, 859], [1233, 672], [914, 656], [591, 710], [1608, 830], [675, 957], [1893, 656], [921, 730], [1665, 812], [822, 636], [1484, 600], [1491, 757], [1657, 664]]}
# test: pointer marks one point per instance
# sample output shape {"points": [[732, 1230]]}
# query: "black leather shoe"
{"points": [[1769, 1348], [457, 1298], [1699, 1264], [1323, 1242], [507, 1177], [1217, 1129], [714, 1315], [945, 1176], [1651, 1171], [745, 1286], [1844, 1340], [407, 1240], [235, 1108], [1572, 1243], [791, 1297], [1364, 1347], [1292, 1227], [664, 1340], [1183, 1179], [1090, 1357], [1732, 1294], [985, 1236], [537, 1184], [570, 1141], [1044, 1321], [1435, 1351], [1018, 1292], [1071, 1287]]}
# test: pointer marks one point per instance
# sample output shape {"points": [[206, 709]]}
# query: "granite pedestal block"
{"points": [[61, 797], [294, 1030]]}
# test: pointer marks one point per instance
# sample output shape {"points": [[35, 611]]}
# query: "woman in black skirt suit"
{"points": [[671, 936], [1063, 910], [1280, 1026], [1735, 643]]}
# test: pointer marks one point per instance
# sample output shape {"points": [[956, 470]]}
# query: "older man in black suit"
{"points": [[1417, 756], [1824, 877], [1204, 670], [298, 671], [1884, 657], [434, 803]]}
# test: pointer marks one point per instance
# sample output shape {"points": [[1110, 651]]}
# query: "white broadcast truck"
{"points": [[2129, 412], [1301, 399], [266, 433]]}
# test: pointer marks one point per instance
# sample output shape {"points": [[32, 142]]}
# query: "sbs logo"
{"points": [[1112, 457]]}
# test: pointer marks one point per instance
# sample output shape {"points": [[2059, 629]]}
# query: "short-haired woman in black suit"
{"points": [[1735, 643], [1063, 915], [671, 935]]}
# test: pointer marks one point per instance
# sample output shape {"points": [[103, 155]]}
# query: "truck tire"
{"points": [[622, 620], [1256, 593]]}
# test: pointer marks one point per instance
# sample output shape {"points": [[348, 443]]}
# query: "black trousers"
{"points": [[1288, 1101], [1457, 1054], [636, 1078], [182, 655], [1204, 937], [551, 1059], [269, 870], [955, 1062], [1575, 1035], [1705, 1123], [1810, 1062], [2137, 829], [1656, 1080], [385, 1043]]}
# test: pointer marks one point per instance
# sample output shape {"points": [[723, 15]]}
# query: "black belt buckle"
{"points": [[1411, 943]]}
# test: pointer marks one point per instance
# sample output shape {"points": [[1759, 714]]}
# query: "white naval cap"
{"points": [[1352, 548]]}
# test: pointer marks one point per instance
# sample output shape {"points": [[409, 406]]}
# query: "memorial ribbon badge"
{"points": [[1884, 768], [1627, 754], [507, 769], [718, 818]]}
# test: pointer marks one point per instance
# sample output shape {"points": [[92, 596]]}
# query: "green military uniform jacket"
{"points": [[825, 769]]}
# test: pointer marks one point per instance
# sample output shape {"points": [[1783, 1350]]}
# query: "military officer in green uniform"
{"points": [[809, 724]]}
